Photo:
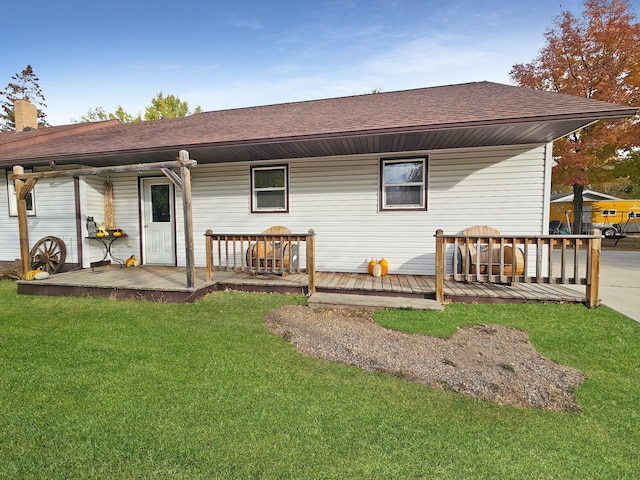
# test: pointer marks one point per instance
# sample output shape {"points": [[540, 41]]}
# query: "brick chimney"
{"points": [[26, 115]]}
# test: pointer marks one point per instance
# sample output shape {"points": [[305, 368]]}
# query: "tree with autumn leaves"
{"points": [[595, 56]]}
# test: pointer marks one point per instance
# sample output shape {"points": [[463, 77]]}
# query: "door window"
{"points": [[160, 204]]}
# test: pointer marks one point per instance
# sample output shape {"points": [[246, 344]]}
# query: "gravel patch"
{"points": [[490, 362]]}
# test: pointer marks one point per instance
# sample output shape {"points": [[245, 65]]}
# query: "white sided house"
{"points": [[373, 175]]}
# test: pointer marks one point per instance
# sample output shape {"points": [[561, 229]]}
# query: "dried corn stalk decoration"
{"points": [[108, 204]]}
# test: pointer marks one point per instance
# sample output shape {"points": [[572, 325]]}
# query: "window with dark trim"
{"points": [[13, 201], [270, 189], [403, 183]]}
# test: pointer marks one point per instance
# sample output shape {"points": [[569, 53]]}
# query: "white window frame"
{"points": [[13, 200], [609, 213], [384, 206], [284, 189]]}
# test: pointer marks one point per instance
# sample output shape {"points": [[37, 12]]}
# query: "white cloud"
{"points": [[426, 55]]}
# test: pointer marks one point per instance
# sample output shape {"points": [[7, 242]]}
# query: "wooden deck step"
{"points": [[320, 299]]}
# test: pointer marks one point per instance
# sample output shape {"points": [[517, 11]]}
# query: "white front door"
{"points": [[158, 224]]}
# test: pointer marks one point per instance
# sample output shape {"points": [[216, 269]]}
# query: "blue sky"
{"points": [[235, 54]]}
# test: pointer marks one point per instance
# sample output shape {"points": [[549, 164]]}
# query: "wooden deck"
{"points": [[168, 284]]}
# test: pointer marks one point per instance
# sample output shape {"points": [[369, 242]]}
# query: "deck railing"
{"points": [[557, 259], [262, 253]]}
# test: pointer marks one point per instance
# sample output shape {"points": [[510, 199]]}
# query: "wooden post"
{"points": [[209, 253], [593, 284], [185, 175], [311, 261], [23, 229], [439, 266], [140, 167]]}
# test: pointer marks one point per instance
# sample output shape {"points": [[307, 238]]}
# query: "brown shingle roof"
{"points": [[41, 135], [498, 112]]}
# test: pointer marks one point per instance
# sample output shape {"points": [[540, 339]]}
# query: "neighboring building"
{"points": [[587, 196], [374, 175], [612, 215]]}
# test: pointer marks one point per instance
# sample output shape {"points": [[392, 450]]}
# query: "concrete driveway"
{"points": [[620, 282]]}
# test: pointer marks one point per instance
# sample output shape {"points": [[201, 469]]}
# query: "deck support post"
{"points": [[439, 266], [208, 246], [185, 176], [23, 229], [311, 261], [592, 293]]}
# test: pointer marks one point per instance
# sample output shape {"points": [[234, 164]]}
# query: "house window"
{"points": [[403, 184], [609, 213], [270, 189], [633, 215], [13, 200]]}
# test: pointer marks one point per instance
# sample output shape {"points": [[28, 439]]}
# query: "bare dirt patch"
{"points": [[631, 243], [491, 362]]}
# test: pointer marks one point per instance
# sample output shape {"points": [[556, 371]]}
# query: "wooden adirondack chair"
{"points": [[469, 254]]}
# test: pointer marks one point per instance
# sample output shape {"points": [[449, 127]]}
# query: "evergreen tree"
{"points": [[23, 86]]}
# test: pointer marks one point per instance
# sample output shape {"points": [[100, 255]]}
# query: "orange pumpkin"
{"points": [[372, 264], [384, 265]]}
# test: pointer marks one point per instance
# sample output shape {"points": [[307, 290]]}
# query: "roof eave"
{"points": [[581, 119]]}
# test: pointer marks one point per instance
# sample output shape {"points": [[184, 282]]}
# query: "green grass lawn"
{"points": [[92, 388]]}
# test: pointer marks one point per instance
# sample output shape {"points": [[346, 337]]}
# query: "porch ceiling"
{"points": [[389, 142], [515, 133]]}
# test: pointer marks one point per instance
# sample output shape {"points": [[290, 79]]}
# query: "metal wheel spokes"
{"points": [[48, 254]]}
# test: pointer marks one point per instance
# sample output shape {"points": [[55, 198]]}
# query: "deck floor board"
{"points": [[163, 283]]}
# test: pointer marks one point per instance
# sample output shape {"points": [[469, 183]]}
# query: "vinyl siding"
{"points": [[8, 225], [55, 216], [503, 187], [338, 198], [125, 215]]}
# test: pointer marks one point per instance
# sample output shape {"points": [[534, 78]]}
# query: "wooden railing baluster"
{"points": [[552, 243], [526, 269], [538, 260]]}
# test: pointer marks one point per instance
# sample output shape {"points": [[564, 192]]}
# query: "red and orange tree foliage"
{"points": [[595, 56]]}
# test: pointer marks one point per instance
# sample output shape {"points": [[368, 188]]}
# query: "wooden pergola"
{"points": [[24, 183]]}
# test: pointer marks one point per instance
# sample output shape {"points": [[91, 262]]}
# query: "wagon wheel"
{"points": [[49, 254]]}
